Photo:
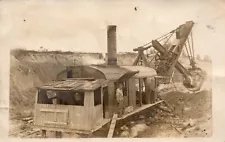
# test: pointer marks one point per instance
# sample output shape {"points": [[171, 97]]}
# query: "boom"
{"points": [[172, 55], [166, 59]]}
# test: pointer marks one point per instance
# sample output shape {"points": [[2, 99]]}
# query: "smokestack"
{"points": [[111, 45]]}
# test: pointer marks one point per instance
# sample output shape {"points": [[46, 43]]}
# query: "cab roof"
{"points": [[75, 85], [116, 72]]}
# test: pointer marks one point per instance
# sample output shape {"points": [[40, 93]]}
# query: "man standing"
{"points": [[78, 99], [119, 98]]}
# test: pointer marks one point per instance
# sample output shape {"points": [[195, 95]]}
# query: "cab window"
{"points": [[97, 97]]}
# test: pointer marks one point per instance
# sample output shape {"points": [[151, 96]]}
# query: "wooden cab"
{"points": [[72, 105], [129, 76]]}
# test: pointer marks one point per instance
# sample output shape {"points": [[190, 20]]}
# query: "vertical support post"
{"points": [[155, 93], [57, 133], [111, 99], [154, 86], [147, 83], [36, 101], [132, 93], [105, 101], [90, 117], [55, 100], [36, 97], [140, 91], [102, 96], [103, 109], [154, 96], [127, 91]]}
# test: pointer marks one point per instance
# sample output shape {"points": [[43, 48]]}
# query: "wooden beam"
{"points": [[144, 107], [140, 91], [89, 79], [112, 126]]}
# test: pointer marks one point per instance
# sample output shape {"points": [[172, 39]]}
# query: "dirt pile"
{"points": [[199, 103], [195, 121], [188, 114]]}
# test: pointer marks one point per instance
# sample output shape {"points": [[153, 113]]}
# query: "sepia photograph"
{"points": [[111, 69]]}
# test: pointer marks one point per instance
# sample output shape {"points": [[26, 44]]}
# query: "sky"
{"points": [[81, 25]]}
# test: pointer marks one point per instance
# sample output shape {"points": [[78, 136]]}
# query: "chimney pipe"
{"points": [[111, 45]]}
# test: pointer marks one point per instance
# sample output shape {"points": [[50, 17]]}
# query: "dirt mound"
{"points": [[199, 103], [196, 120]]}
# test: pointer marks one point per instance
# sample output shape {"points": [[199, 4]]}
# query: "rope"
{"points": [[152, 59], [168, 38], [187, 52], [189, 47], [192, 45], [163, 37], [171, 32]]}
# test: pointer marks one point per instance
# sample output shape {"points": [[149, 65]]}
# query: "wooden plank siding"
{"points": [[75, 117], [89, 108], [97, 111], [70, 116], [112, 126]]}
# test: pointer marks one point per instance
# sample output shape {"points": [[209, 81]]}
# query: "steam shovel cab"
{"points": [[80, 104], [139, 84], [72, 105]]}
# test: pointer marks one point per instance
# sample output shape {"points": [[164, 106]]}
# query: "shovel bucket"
{"points": [[198, 78]]}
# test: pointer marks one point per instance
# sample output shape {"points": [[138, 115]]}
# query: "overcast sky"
{"points": [[81, 25]]}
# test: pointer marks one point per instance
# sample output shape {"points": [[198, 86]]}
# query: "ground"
{"points": [[31, 69], [197, 110]]}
